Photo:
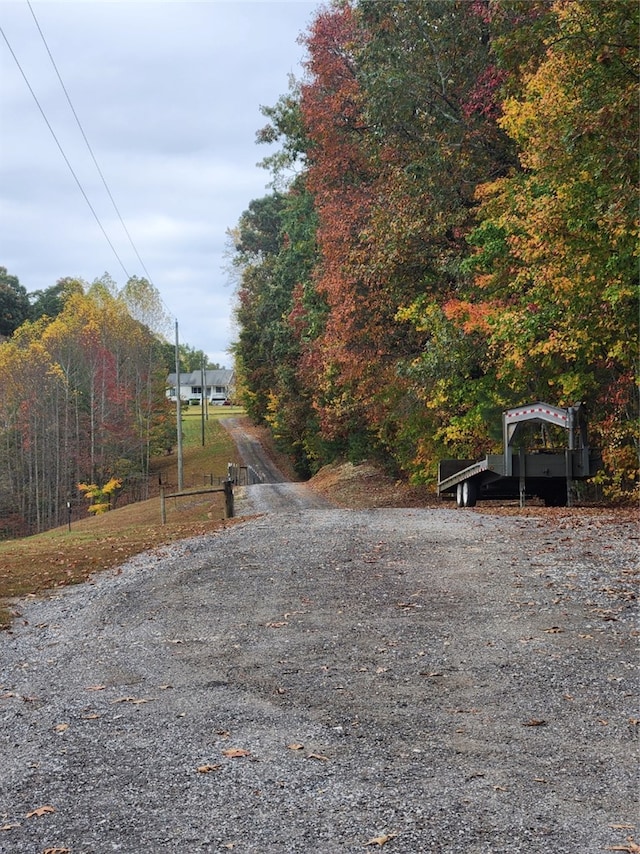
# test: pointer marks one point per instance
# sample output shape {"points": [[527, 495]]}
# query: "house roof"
{"points": [[222, 377]]}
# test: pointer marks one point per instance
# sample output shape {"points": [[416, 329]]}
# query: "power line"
{"points": [[84, 136], [62, 152]]}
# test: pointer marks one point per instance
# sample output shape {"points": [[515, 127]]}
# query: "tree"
{"points": [[14, 303], [82, 399], [556, 272], [466, 199], [50, 302]]}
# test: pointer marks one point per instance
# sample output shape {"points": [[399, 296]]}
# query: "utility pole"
{"points": [[203, 394], [179, 413]]}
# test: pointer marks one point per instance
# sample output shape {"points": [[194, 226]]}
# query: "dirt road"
{"points": [[427, 680]]}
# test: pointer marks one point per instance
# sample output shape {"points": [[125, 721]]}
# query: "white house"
{"points": [[218, 386]]}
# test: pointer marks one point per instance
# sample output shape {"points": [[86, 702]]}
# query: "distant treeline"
{"points": [[452, 232], [82, 397]]}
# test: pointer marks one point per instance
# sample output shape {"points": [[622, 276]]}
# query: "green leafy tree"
{"points": [[14, 303]]}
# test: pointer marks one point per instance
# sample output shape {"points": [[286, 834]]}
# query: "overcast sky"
{"points": [[169, 96]]}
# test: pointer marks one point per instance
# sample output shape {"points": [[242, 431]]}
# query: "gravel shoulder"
{"points": [[317, 678]]}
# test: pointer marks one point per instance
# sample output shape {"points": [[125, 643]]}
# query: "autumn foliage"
{"points": [[460, 236], [82, 406]]}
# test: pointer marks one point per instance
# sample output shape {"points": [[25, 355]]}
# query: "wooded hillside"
{"points": [[82, 401], [459, 237]]}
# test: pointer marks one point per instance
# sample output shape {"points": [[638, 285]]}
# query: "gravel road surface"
{"points": [[318, 679]]}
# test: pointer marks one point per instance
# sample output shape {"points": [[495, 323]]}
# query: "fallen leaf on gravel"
{"points": [[61, 727], [622, 826], [318, 756], [275, 625], [236, 752], [381, 840], [499, 789], [95, 687], [57, 851], [554, 630], [135, 700], [295, 746], [206, 769], [630, 847], [40, 811], [535, 722], [10, 826], [93, 717]]}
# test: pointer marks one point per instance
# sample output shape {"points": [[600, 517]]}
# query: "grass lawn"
{"points": [[58, 557]]}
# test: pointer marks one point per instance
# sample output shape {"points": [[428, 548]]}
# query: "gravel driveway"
{"points": [[427, 680]]}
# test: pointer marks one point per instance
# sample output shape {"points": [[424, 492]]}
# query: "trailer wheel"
{"points": [[469, 493], [555, 499], [459, 497]]}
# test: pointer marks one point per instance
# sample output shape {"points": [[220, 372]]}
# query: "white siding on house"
{"points": [[218, 386]]}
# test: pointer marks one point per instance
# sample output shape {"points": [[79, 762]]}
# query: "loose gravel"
{"points": [[427, 680]]}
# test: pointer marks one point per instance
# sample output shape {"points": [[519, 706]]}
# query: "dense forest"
{"points": [[82, 396], [452, 231]]}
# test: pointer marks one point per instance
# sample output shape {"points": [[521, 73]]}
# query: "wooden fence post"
{"points": [[228, 499], [163, 507]]}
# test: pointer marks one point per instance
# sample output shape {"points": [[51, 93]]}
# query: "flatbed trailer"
{"points": [[546, 473]]}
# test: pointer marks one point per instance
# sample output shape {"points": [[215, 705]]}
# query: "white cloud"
{"points": [[168, 94]]}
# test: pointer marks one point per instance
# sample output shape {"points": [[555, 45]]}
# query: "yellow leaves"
{"points": [[100, 496], [111, 486]]}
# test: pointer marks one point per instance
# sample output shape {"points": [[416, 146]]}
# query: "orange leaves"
{"points": [[472, 317], [236, 752]]}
